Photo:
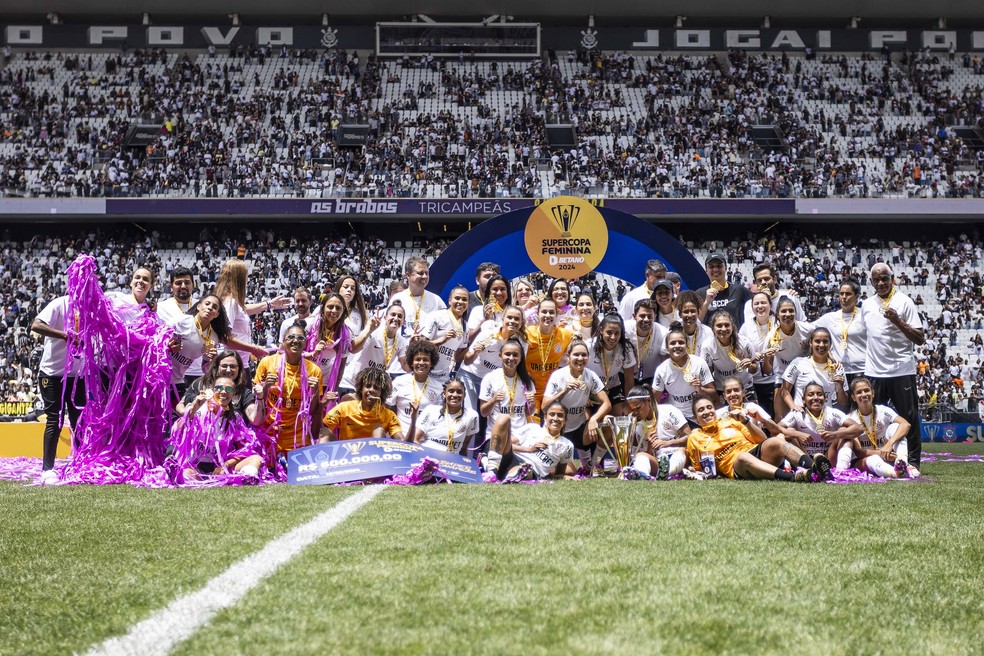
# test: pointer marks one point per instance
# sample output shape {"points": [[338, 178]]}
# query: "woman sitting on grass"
{"points": [[739, 449], [818, 427], [882, 447], [531, 451], [665, 429]]}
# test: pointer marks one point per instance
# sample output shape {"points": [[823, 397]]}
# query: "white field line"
{"points": [[165, 629]]}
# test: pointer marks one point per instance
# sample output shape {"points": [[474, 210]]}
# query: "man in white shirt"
{"points": [[57, 378], [655, 270], [302, 311], [894, 330], [766, 280], [172, 309], [416, 300]]}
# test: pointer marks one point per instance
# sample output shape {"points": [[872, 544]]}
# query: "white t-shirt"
{"points": [[405, 390], [800, 315], [436, 426], [627, 306], [488, 360], [723, 362], [576, 400], [476, 319], [831, 420], [669, 378], [648, 353], [192, 346], [614, 362], [889, 352], [436, 326], [56, 350], [417, 308], [695, 344], [669, 421], [169, 312], [884, 417], [756, 336], [544, 462], [803, 371], [515, 406], [289, 321], [126, 306], [852, 357], [239, 325], [373, 355]]}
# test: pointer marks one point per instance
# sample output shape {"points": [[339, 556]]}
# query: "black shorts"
{"points": [[757, 452]]}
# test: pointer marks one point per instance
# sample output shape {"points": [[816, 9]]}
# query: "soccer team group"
{"points": [[720, 381]]}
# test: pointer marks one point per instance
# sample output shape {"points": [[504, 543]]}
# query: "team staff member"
{"points": [[766, 282], [172, 309], [648, 337], [417, 301], [849, 342], [59, 379], [302, 311], [655, 270], [719, 295], [894, 329], [483, 273]]}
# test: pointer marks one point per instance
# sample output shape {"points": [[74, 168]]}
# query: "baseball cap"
{"points": [[663, 283], [716, 255]]}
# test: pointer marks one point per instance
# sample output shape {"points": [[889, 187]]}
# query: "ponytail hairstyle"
{"points": [[623, 341], [733, 339], [521, 370]]}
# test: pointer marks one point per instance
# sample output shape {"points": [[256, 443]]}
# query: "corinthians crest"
{"points": [[589, 39], [565, 216], [329, 37]]}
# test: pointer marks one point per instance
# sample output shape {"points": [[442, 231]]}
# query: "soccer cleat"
{"points": [[519, 474], [694, 474], [820, 471], [49, 477], [633, 474], [901, 468], [662, 467], [802, 475]]}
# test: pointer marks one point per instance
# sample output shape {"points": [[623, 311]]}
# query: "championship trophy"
{"points": [[625, 443]]}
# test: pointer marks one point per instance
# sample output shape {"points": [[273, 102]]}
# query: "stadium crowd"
{"points": [[258, 122]]}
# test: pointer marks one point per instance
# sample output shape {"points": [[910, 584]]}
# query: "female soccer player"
{"points": [[497, 296], [850, 337], [560, 293], [741, 450], [665, 429], [734, 395], [364, 416], [819, 428], [290, 392], [446, 330], [449, 426], [231, 289], [382, 346], [519, 452], [546, 347], [227, 364], [882, 449], [357, 314], [328, 344], [584, 320], [683, 375], [728, 354], [817, 367], [613, 358], [416, 390], [787, 341], [756, 335], [697, 334], [578, 388], [509, 391], [482, 357]]}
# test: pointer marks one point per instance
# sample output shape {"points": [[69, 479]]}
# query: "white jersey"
{"points": [[126, 306], [696, 342], [649, 352], [723, 361], [289, 321], [875, 426], [849, 353], [55, 351], [437, 427], [609, 364], [191, 348], [169, 311], [354, 322], [666, 320], [671, 379], [488, 359], [830, 420], [407, 389], [750, 407], [558, 452], [374, 354], [239, 324], [669, 422], [803, 371], [434, 329], [574, 401], [514, 403], [418, 307], [889, 352], [477, 321], [756, 336], [790, 346]]}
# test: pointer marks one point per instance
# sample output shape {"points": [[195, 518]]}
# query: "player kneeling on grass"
{"points": [[446, 427], [531, 450], [882, 449], [741, 450], [213, 438], [665, 429], [364, 416]]}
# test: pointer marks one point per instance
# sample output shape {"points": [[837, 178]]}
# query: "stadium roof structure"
{"points": [[874, 13]]}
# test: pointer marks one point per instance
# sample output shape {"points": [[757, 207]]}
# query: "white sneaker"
{"points": [[693, 474], [49, 477]]}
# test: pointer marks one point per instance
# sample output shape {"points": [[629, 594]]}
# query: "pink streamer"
{"points": [[342, 346]]}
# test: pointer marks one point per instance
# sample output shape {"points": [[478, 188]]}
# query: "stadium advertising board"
{"points": [[564, 237], [346, 461], [951, 432], [560, 38]]}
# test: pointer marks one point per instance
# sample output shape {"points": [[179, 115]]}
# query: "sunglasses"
{"points": [[294, 338], [228, 389]]}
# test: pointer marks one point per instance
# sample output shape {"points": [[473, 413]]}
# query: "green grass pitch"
{"points": [[587, 567]]}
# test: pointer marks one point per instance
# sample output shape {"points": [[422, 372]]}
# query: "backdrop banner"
{"points": [[951, 432], [346, 461]]}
